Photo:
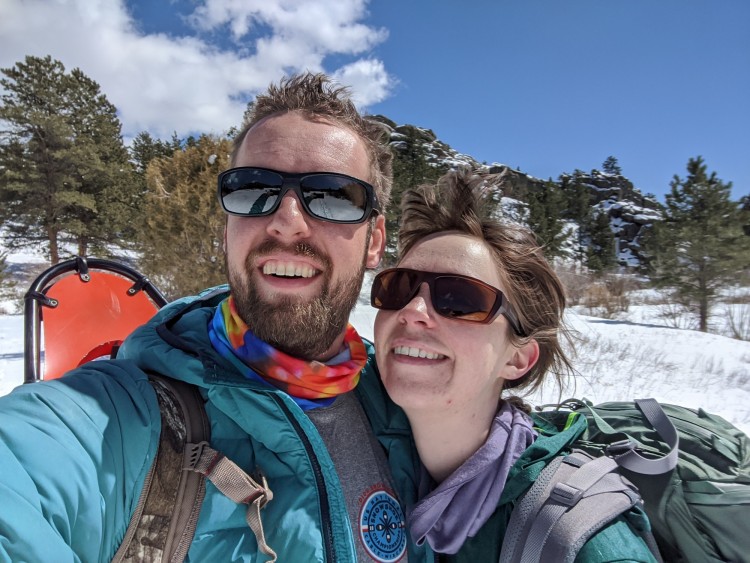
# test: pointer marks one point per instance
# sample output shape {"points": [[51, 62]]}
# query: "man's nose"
{"points": [[290, 221]]}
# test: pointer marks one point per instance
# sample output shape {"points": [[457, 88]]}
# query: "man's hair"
{"points": [[319, 98], [462, 201]]}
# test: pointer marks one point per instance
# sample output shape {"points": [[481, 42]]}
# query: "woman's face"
{"points": [[431, 362]]}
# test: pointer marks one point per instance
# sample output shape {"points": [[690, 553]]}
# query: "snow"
{"points": [[634, 357]]}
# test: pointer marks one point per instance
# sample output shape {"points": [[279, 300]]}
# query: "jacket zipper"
{"points": [[131, 529], [325, 511]]}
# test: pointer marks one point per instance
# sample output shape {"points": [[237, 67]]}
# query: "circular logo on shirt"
{"points": [[382, 527]]}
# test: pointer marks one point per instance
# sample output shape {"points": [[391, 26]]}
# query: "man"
{"points": [[278, 367]]}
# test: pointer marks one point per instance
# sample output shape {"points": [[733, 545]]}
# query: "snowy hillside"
{"points": [[631, 213]]}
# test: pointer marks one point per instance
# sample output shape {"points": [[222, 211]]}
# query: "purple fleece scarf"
{"points": [[461, 504]]}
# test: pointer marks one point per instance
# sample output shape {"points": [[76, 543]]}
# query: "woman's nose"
{"points": [[419, 310]]}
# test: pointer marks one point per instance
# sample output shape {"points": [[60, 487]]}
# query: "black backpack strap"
{"points": [[573, 498], [164, 521]]}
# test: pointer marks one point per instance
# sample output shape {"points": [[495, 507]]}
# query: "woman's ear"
{"points": [[522, 360]]}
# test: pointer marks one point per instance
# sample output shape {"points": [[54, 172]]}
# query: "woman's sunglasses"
{"points": [[453, 296], [254, 192]]}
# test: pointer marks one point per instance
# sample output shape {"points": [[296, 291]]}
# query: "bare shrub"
{"points": [[608, 296], [604, 295], [738, 320], [678, 315], [9, 289], [598, 301], [574, 282], [620, 286]]}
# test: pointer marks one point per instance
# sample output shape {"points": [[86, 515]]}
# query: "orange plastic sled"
{"points": [[81, 310]]}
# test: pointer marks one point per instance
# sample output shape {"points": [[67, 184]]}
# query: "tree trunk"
{"points": [[703, 300], [54, 254], [83, 246]]}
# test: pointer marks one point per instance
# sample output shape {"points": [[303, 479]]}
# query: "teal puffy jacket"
{"points": [[74, 453]]}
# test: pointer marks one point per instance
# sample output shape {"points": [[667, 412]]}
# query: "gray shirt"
{"points": [[375, 515]]}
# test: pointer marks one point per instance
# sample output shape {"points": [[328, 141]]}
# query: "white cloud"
{"points": [[162, 83], [368, 79]]}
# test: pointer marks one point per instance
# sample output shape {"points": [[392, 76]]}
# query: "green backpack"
{"points": [[693, 474]]}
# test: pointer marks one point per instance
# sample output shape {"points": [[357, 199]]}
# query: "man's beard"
{"points": [[303, 329]]}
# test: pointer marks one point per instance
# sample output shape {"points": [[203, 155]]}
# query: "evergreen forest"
{"points": [[69, 185]]}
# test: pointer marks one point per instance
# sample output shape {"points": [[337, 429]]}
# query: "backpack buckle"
{"points": [[616, 449], [192, 455], [566, 494]]}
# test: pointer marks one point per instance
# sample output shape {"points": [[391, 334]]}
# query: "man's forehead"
{"points": [[286, 120], [294, 142]]}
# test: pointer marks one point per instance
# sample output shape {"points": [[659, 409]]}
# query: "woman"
{"points": [[473, 309]]}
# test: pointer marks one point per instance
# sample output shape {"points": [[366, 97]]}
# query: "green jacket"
{"points": [[619, 541], [74, 453]]}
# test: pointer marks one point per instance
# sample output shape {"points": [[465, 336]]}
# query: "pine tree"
{"points": [[106, 181], [545, 209], [577, 199], [600, 247], [63, 168], [183, 232], [610, 166], [35, 154], [700, 247], [745, 214], [145, 148], [576, 207], [410, 169]]}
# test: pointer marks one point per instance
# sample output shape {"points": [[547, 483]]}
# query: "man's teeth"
{"points": [[416, 353], [288, 269]]}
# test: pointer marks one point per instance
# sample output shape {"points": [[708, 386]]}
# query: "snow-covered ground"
{"points": [[616, 360]]}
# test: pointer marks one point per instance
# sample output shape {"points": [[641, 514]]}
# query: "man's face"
{"points": [[295, 279]]}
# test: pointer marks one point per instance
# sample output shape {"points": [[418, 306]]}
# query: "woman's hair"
{"points": [[318, 98], [463, 200]]}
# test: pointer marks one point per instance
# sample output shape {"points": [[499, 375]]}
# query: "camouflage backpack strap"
{"points": [[164, 521]]}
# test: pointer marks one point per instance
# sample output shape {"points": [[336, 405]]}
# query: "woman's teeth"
{"points": [[416, 353]]}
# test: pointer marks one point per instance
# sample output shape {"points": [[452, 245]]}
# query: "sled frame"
{"points": [[130, 284]]}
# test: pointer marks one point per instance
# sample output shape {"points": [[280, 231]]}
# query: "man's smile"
{"points": [[289, 269]]}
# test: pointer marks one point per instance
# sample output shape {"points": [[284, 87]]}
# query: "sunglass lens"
{"points": [[392, 289], [461, 299], [250, 192], [334, 198]]}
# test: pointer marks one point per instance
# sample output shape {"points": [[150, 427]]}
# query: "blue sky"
{"points": [[543, 85]]}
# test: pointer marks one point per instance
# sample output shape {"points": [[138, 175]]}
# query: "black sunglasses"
{"points": [[452, 295], [255, 192]]}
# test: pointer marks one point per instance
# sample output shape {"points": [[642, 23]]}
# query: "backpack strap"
{"points": [[164, 521], [656, 416], [624, 451], [234, 483], [573, 498]]}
